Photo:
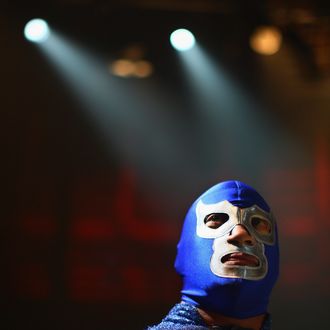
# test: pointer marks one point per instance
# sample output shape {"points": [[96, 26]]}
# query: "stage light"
{"points": [[127, 68], [122, 68], [36, 30], [182, 39], [266, 40]]}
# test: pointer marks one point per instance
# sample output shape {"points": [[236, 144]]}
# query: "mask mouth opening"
{"points": [[240, 259]]}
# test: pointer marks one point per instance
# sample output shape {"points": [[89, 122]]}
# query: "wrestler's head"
{"points": [[228, 252]]}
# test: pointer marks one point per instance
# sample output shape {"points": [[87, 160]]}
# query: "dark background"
{"points": [[93, 200]]}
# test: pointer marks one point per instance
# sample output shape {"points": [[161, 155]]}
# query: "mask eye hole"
{"points": [[215, 220], [261, 226]]}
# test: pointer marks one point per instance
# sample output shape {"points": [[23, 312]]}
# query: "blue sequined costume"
{"points": [[185, 316]]}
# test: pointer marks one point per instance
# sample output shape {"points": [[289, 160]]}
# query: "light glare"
{"points": [[266, 40], [182, 39], [127, 68], [122, 68], [36, 30]]}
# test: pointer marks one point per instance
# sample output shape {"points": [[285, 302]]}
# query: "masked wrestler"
{"points": [[228, 259]]}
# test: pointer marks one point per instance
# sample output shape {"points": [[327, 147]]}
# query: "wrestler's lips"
{"points": [[240, 259]]}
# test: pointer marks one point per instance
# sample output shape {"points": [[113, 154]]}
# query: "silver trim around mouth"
{"points": [[221, 248]]}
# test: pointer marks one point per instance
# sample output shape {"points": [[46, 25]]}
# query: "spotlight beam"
{"points": [[131, 117], [230, 121]]}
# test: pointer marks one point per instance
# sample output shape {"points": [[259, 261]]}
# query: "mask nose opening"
{"points": [[239, 235]]}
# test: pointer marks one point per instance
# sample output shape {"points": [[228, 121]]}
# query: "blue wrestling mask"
{"points": [[228, 253]]}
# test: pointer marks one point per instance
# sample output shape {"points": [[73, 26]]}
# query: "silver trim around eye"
{"points": [[254, 211], [202, 210]]}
